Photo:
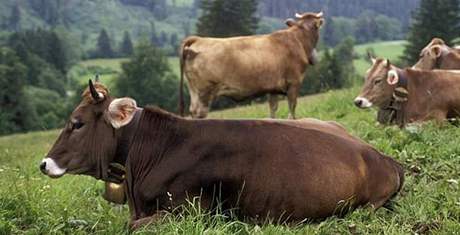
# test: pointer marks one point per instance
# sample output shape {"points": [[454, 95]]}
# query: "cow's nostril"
{"points": [[43, 167], [358, 102]]}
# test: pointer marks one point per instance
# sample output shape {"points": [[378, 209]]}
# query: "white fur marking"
{"points": [[52, 169], [365, 103]]}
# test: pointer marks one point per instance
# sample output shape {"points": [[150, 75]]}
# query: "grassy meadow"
{"points": [[31, 203]]}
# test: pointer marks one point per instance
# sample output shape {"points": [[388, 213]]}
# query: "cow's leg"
{"points": [[292, 93], [273, 102]]}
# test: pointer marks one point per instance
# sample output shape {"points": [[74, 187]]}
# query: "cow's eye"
{"points": [[377, 81], [77, 125]]}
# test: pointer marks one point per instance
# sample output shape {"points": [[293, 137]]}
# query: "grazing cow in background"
{"points": [[437, 55], [422, 94], [245, 67], [283, 170]]}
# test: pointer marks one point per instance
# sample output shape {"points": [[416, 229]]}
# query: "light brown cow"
{"points": [[437, 55], [245, 67], [423, 94]]}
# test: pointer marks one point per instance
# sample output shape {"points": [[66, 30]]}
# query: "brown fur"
{"points": [[275, 169], [245, 67], [438, 55], [432, 94], [283, 170]]}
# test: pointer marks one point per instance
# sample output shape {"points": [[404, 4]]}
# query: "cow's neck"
{"points": [[125, 139], [450, 61], [420, 89], [306, 38]]}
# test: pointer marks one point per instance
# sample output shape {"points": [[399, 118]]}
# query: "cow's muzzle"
{"points": [[49, 167], [362, 102]]}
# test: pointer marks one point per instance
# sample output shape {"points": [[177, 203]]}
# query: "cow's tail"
{"points": [[183, 53]]}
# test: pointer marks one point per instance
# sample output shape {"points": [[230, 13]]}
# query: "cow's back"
{"points": [[242, 66], [303, 172]]}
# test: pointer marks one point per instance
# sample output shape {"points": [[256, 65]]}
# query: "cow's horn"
{"points": [[298, 16], [320, 14], [96, 95]]}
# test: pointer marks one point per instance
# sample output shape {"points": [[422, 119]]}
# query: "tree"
{"points": [[217, 15], [328, 33], [148, 79], [15, 18], [13, 104], [104, 48], [126, 48], [433, 18], [334, 70]]}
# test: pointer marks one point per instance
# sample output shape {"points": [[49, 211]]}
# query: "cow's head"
{"points": [[310, 23], [431, 54], [380, 82], [88, 142]]}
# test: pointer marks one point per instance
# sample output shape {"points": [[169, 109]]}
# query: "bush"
{"points": [[334, 70], [148, 79]]}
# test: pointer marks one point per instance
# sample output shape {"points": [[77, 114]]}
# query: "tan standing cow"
{"points": [[423, 94], [250, 66], [437, 55]]}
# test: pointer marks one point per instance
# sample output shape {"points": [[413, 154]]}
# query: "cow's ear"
{"points": [[319, 23], [371, 57], [121, 112], [392, 77], [436, 51], [290, 22]]}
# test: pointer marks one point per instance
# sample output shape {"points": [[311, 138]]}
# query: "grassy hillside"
{"points": [[430, 200], [391, 50], [429, 203]]}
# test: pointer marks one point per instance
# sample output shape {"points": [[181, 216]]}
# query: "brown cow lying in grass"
{"points": [[437, 55], [422, 94], [275, 169]]}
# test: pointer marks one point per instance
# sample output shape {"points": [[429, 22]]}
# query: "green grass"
{"points": [[391, 50], [32, 203]]}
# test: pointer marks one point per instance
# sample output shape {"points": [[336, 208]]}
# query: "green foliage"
{"points": [[44, 43], [216, 15], [334, 70], [14, 115], [148, 78], [126, 48], [104, 47], [15, 18], [367, 27], [434, 18], [49, 107]]}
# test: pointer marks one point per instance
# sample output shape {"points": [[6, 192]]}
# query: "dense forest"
{"points": [[167, 21]]}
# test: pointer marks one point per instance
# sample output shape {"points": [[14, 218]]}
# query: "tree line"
{"points": [[37, 92]]}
